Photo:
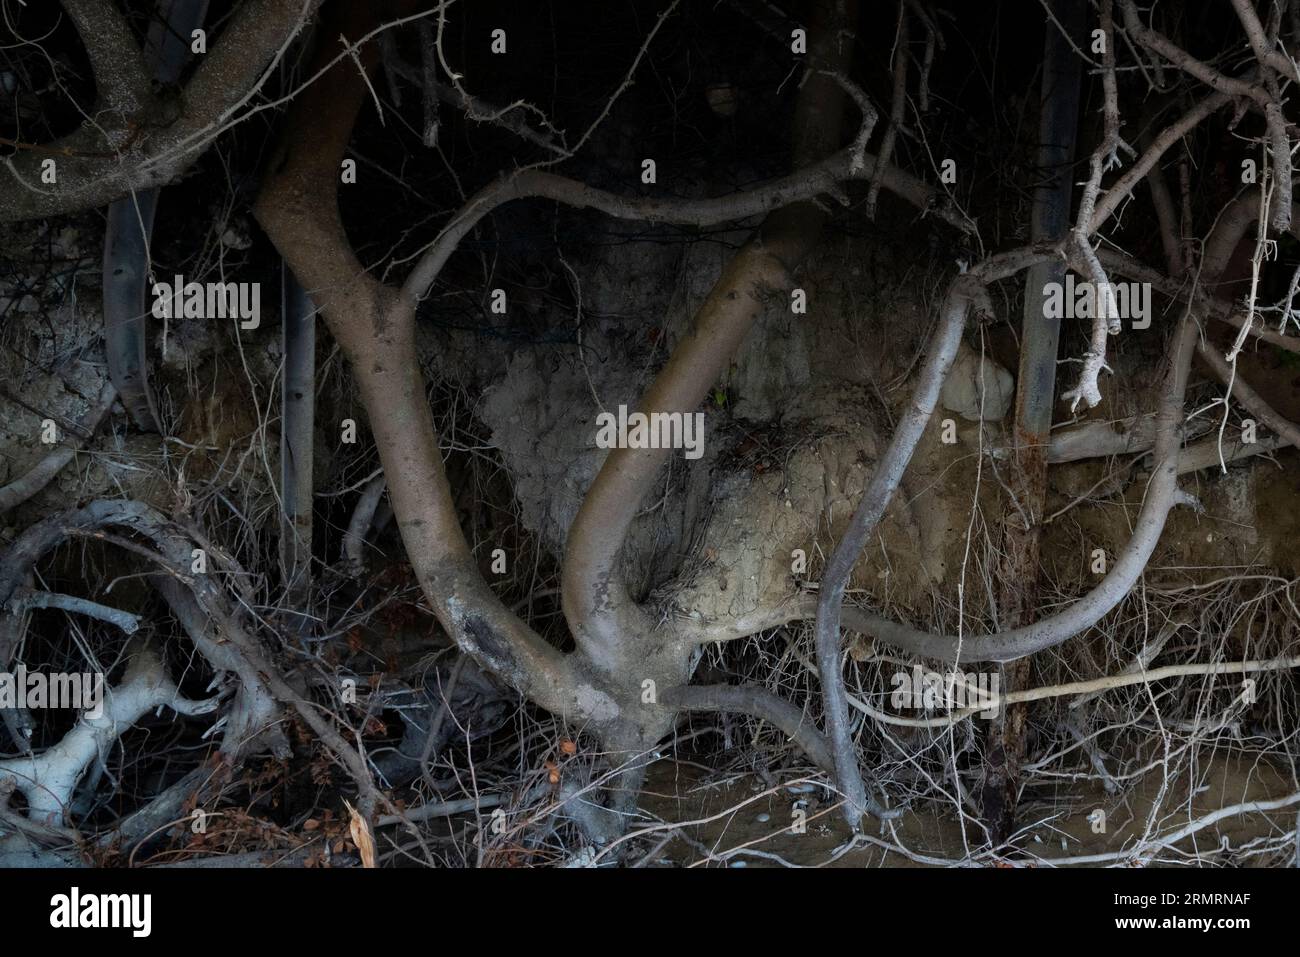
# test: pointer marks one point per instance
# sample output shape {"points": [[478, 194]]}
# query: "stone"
{"points": [[961, 390]]}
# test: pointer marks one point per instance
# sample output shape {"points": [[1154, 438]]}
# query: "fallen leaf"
{"points": [[361, 837]]}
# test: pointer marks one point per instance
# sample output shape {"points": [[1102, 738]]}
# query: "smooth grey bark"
{"points": [[297, 441], [47, 780], [759, 703], [126, 326], [966, 292], [835, 578], [1050, 220], [1096, 439], [200, 605], [359, 525], [1161, 496], [597, 604]]}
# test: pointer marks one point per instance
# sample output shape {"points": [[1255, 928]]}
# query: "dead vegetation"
{"points": [[493, 644]]}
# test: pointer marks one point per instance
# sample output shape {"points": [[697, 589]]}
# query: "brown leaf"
{"points": [[361, 836]]}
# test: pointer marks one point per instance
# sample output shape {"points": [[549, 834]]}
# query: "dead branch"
{"points": [[1106, 322]]}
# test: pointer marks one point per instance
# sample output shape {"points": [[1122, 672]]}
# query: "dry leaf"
{"points": [[361, 836]]}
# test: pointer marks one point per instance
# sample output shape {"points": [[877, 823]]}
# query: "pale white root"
{"points": [[990, 701], [47, 780]]}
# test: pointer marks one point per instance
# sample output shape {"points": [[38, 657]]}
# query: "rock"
{"points": [[236, 237], [961, 390]]}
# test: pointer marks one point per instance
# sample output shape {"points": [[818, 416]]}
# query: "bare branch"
{"points": [[26, 599], [1106, 322]]}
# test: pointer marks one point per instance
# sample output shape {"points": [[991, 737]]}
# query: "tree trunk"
{"points": [[1017, 571]]}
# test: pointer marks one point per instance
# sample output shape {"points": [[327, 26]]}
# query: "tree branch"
{"points": [[762, 704], [298, 208], [199, 601], [152, 144], [26, 599], [121, 78], [43, 472], [966, 291], [48, 780]]}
